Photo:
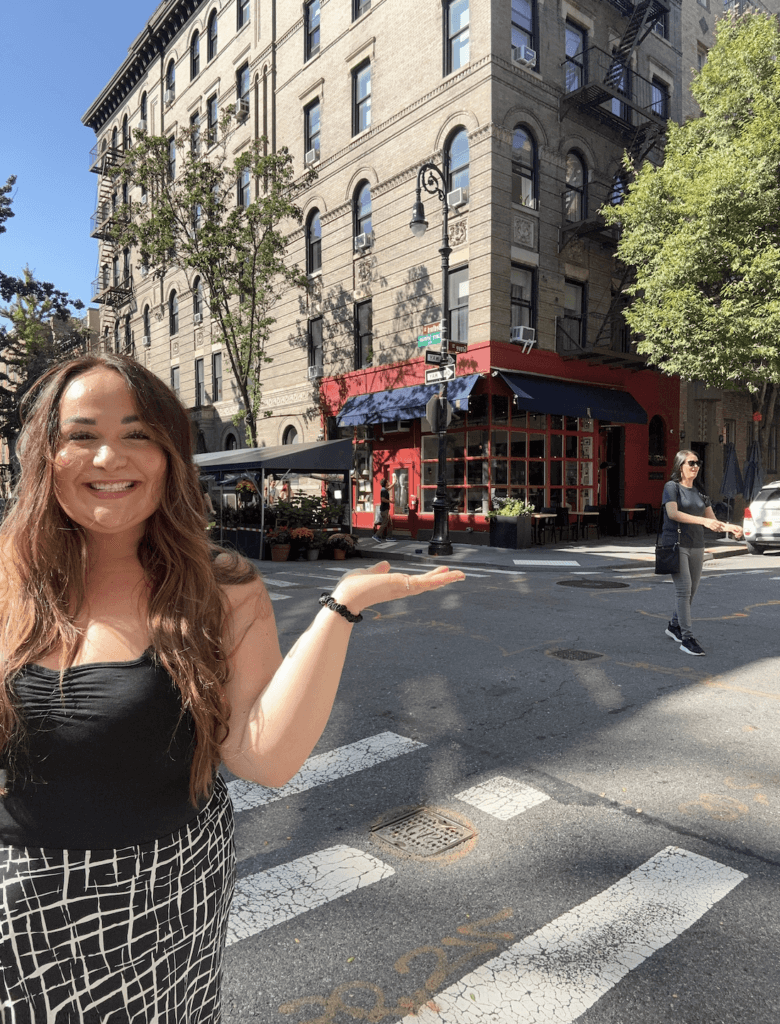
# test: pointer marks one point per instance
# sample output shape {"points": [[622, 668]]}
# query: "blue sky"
{"points": [[57, 57]]}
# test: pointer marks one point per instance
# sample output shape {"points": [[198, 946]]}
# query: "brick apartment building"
{"points": [[526, 106]]}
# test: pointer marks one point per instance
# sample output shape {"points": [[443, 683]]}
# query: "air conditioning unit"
{"points": [[524, 55], [362, 242], [197, 318], [525, 336], [147, 341], [170, 96], [144, 271], [312, 156], [315, 372], [142, 125], [242, 110], [456, 198], [144, 198]]}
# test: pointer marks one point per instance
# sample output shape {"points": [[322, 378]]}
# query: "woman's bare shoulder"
{"points": [[241, 585]]}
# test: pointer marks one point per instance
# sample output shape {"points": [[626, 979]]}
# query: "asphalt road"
{"points": [[623, 799]]}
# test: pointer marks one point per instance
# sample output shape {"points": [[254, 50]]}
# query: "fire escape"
{"points": [[113, 287], [605, 87]]}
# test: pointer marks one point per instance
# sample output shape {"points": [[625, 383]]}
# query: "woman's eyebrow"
{"points": [[92, 423]]}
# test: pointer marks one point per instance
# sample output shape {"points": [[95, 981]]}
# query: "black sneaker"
{"points": [[674, 632], [690, 646]]}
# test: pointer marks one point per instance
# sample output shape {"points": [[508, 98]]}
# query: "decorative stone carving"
{"points": [[175, 348], [524, 231], [458, 232]]}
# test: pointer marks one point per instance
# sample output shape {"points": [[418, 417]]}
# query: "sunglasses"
{"points": [[692, 463]]}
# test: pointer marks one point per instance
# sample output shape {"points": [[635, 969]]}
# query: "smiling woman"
{"points": [[135, 657]]}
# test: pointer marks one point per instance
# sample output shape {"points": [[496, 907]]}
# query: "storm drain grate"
{"points": [[571, 655], [424, 832], [593, 584]]}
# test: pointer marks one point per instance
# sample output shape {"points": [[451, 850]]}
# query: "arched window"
{"points": [[125, 133], [116, 335], [212, 31], [147, 326], [575, 196], [173, 314], [197, 300], [114, 139], [128, 335], [144, 110], [231, 443], [458, 161], [313, 243], [523, 168], [170, 82], [656, 441], [195, 56], [290, 436], [363, 209]]}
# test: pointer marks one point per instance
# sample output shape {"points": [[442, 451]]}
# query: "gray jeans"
{"points": [[686, 582]]}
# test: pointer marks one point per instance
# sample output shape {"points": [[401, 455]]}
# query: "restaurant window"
{"points": [[523, 168], [523, 313], [574, 196], [364, 334], [458, 282]]}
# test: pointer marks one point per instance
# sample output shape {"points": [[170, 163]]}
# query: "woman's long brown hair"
{"points": [[43, 554]]}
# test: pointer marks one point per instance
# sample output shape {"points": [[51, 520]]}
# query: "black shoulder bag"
{"points": [[667, 559]]}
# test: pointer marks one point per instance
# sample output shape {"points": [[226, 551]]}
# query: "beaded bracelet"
{"points": [[328, 601]]}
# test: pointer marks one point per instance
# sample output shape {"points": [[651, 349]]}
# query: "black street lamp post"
{"points": [[432, 179]]}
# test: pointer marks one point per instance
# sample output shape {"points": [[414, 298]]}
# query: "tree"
{"points": [[702, 231], [196, 217]]}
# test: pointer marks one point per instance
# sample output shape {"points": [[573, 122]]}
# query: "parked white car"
{"points": [[762, 520]]}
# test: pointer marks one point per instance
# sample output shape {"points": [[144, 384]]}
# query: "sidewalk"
{"points": [[608, 553]]}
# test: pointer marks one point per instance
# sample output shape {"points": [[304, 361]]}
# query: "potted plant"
{"points": [[279, 542], [510, 522], [246, 491], [303, 539], [341, 544]]}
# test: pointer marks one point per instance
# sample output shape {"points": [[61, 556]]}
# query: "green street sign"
{"points": [[424, 340]]}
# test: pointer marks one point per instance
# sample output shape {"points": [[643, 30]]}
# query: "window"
{"points": [[171, 158], [244, 188], [619, 188], [216, 377], [290, 436], [574, 196], [126, 268], [197, 219], [364, 334], [147, 326], [197, 300], [706, 4], [576, 44], [458, 282], [212, 117], [311, 17], [656, 442], [200, 384], [522, 293], [242, 89], [175, 379], [128, 339], [173, 314], [125, 133], [701, 56], [242, 14], [458, 161], [195, 56], [311, 131], [523, 168], [313, 243], [361, 98], [456, 35], [195, 134], [360, 7], [144, 108], [212, 34], [660, 98], [114, 140], [523, 28], [116, 336], [315, 342], [620, 79], [170, 82], [574, 314], [115, 267], [363, 209], [661, 25]]}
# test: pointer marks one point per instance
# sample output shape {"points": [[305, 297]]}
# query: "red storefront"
{"points": [[536, 426]]}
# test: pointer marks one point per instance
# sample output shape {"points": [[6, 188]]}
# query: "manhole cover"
{"points": [[569, 655], [424, 832], [593, 584]]}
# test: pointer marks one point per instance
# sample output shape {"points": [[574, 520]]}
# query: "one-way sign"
{"points": [[439, 358], [441, 374]]}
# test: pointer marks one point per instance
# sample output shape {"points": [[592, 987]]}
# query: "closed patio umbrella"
{"points": [[752, 473], [731, 484]]}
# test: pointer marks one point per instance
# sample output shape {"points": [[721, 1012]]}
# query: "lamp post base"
{"points": [[439, 547]]}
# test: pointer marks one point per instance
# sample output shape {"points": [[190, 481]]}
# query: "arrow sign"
{"points": [[441, 374], [432, 356]]}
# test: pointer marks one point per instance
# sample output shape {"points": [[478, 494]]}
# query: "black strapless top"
{"points": [[106, 760]]}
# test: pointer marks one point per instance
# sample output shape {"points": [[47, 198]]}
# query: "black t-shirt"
{"points": [[384, 500], [691, 501]]}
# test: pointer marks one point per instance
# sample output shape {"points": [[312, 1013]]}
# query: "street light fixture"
{"points": [[432, 179]]}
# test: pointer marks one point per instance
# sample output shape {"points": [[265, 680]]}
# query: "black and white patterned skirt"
{"points": [[109, 937]]}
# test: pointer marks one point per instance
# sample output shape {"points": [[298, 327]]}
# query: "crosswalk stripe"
{"points": [[280, 597], [271, 581], [326, 767], [501, 797], [270, 897], [556, 974], [539, 561]]}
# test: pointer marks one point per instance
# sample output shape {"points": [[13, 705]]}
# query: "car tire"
{"points": [[754, 549]]}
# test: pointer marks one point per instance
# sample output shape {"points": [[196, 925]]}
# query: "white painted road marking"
{"points": [[270, 581], [327, 767], [270, 897], [502, 797], [539, 561], [280, 597], [556, 974]]}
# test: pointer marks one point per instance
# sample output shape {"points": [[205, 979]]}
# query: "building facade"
{"points": [[526, 108]]}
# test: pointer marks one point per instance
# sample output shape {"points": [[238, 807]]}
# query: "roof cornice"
{"points": [[162, 27]]}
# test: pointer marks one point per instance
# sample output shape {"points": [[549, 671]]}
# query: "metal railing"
{"points": [[592, 335], [598, 80], [114, 292], [104, 155]]}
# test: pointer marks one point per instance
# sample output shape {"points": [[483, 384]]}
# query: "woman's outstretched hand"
{"points": [[364, 587]]}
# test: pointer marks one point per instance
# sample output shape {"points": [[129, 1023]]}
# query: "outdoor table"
{"points": [[581, 520], [537, 517], [624, 522]]}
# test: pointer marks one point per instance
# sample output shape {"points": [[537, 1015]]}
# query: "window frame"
{"points": [[452, 307], [200, 382], [528, 172], [212, 120], [244, 188], [359, 219], [243, 78], [146, 323], [529, 304], [451, 38], [359, 8], [176, 380], [216, 377], [173, 314], [243, 14], [313, 244], [170, 77], [195, 134], [453, 172], [581, 318], [194, 56], [197, 298], [363, 347], [660, 86], [171, 158], [144, 110], [308, 137], [517, 26], [569, 74], [311, 30], [212, 32], [580, 192], [314, 342], [361, 106]]}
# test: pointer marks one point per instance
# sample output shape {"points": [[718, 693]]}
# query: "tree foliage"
{"points": [[192, 221], [702, 231]]}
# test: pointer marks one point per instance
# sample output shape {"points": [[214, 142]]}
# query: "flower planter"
{"points": [[511, 532], [312, 554], [280, 552], [339, 554]]}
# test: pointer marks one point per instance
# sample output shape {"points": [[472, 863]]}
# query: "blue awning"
{"points": [[402, 403], [540, 394]]}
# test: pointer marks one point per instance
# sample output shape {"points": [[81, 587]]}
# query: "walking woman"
{"points": [[134, 659], [688, 511]]}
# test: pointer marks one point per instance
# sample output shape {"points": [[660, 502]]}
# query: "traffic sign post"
{"points": [[433, 413]]}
